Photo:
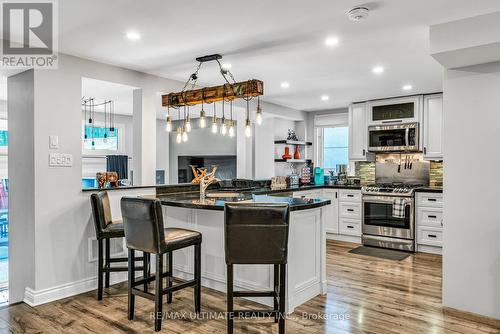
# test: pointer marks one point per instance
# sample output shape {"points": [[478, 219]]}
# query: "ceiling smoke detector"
{"points": [[358, 13]]}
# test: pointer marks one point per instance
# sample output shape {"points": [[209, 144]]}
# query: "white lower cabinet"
{"points": [[350, 227], [332, 210], [429, 222], [343, 215]]}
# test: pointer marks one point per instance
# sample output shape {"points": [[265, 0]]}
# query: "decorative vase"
{"points": [[287, 154], [296, 154]]}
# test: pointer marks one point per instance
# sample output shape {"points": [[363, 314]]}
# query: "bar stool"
{"points": [[144, 231], [257, 233], [106, 229]]}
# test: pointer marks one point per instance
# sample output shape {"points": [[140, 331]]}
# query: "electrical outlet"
{"points": [[60, 160]]}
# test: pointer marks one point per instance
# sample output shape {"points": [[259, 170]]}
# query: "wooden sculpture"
{"points": [[198, 173], [104, 177]]}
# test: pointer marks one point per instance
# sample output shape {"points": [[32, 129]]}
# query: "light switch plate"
{"points": [[60, 160], [53, 142]]}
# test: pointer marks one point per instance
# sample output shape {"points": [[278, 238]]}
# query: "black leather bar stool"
{"points": [[144, 231], [257, 233], [106, 229]]}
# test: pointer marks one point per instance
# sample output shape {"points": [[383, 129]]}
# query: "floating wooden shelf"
{"points": [[293, 142], [293, 160]]}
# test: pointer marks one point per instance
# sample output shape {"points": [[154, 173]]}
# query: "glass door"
{"points": [[380, 214]]}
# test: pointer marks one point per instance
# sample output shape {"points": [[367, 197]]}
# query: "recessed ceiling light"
{"points": [[378, 70], [407, 87], [325, 98], [331, 41], [285, 84], [226, 66], [133, 35]]}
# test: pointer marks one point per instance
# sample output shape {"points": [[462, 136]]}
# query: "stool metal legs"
{"points": [[160, 290], [278, 294], [131, 281]]}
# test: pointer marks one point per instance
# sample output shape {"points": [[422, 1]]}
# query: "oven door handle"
{"points": [[407, 137]]}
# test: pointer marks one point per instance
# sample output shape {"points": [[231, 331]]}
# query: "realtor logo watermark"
{"points": [[29, 34]]}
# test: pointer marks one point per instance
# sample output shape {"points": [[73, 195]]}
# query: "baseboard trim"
{"points": [[38, 297], [343, 237], [453, 312]]}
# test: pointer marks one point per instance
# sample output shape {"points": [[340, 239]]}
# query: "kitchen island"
{"points": [[306, 274]]}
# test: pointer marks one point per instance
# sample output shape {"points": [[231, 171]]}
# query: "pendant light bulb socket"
{"points": [[203, 120], [248, 128]]}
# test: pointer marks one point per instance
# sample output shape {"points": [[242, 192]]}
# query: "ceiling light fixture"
{"points": [[133, 35], [285, 84], [227, 92], [407, 87], [331, 41], [378, 70], [325, 98]]}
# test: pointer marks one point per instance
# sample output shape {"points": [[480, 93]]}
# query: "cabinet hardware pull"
{"points": [[425, 150], [350, 195], [389, 122], [441, 222], [350, 210], [432, 199], [364, 152], [336, 195], [432, 235], [350, 226], [432, 216]]}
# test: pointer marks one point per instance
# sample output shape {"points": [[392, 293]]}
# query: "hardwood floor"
{"points": [[365, 295]]}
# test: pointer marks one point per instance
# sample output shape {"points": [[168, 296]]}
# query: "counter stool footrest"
{"points": [[254, 294]]}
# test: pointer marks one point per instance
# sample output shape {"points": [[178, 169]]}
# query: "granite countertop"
{"points": [[192, 200], [118, 188]]}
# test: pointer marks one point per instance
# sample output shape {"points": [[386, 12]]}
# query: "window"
{"points": [[335, 147], [100, 138]]}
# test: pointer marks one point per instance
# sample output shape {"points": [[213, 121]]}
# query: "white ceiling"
{"points": [[275, 41], [121, 95]]}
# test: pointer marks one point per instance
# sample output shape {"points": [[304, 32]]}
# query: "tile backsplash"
{"points": [[436, 174], [366, 172]]}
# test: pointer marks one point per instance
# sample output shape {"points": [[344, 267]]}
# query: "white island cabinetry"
{"points": [[306, 276]]}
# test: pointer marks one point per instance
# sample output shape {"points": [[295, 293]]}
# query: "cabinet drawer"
{"points": [[303, 194], [430, 236], [350, 196], [350, 210], [431, 217], [350, 227], [431, 200]]}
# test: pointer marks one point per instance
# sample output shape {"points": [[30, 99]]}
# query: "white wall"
{"points": [[471, 252], [201, 142], [61, 210], [21, 184]]}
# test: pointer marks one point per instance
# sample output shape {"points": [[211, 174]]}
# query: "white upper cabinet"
{"points": [[358, 131], [433, 127], [406, 109]]}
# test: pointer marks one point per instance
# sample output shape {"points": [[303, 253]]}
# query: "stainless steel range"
{"points": [[381, 226]]}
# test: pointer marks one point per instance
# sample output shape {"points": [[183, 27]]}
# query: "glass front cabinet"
{"points": [[395, 111]]}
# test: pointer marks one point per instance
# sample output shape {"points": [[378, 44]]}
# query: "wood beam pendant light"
{"points": [[229, 91]]}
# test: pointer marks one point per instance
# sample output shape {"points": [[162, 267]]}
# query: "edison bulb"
{"points": [[214, 126], [178, 138], [231, 130], [184, 136], [168, 126], [248, 129], [223, 128], [203, 122], [258, 117], [188, 126]]}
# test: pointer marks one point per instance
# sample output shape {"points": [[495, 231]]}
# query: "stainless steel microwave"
{"points": [[393, 138]]}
